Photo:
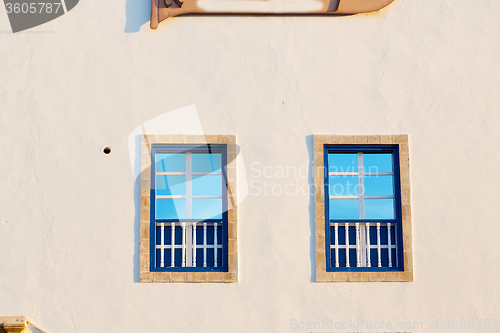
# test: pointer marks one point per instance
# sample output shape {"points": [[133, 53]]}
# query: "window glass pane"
{"points": [[170, 185], [170, 162], [379, 208], [170, 208], [207, 209], [378, 185], [343, 185], [344, 209], [207, 185], [205, 162], [342, 162], [377, 162]]}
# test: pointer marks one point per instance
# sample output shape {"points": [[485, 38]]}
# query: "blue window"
{"points": [[363, 208], [189, 222]]}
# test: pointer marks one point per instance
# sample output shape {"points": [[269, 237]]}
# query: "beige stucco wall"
{"points": [[69, 233]]}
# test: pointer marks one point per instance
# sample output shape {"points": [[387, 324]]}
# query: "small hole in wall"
{"points": [[106, 150]]}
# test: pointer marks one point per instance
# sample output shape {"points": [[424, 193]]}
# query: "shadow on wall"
{"points": [[312, 206], [138, 13]]}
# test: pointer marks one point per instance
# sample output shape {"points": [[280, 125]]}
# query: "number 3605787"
{"points": [[33, 8]]}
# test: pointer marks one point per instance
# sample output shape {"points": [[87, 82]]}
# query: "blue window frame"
{"points": [[189, 221], [363, 220]]}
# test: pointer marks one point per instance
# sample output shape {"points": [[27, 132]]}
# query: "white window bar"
{"points": [[172, 242], [331, 197], [171, 173], [358, 247], [189, 246], [333, 173], [378, 246], [368, 254], [204, 245], [194, 244], [162, 242], [336, 245], [186, 197], [389, 243], [168, 173], [183, 245], [363, 244], [215, 244], [347, 245]]}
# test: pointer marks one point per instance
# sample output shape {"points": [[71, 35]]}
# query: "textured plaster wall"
{"points": [[68, 231]]}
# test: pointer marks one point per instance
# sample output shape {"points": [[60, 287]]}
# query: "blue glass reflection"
{"points": [[379, 208], [170, 208], [207, 209], [204, 162], [170, 162], [343, 185], [344, 209], [207, 185], [374, 163], [378, 185], [170, 185], [342, 162]]}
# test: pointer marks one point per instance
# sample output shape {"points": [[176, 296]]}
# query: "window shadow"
{"points": [[137, 13], [312, 206]]}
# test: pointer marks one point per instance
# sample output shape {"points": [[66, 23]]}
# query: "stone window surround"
{"points": [[13, 324], [404, 162], [200, 277]]}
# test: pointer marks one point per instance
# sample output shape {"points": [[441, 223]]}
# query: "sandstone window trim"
{"points": [[147, 272], [322, 273]]}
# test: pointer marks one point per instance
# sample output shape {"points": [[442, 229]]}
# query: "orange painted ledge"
{"points": [[163, 9]]}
